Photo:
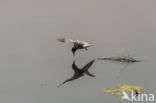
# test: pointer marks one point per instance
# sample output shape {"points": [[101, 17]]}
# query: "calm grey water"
{"points": [[33, 63]]}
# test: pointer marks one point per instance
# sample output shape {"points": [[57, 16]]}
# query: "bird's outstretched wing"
{"points": [[89, 74], [76, 76], [82, 42], [65, 40], [85, 44], [87, 66]]}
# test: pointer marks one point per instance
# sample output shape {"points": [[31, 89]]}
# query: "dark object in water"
{"points": [[136, 92], [79, 72], [125, 59]]}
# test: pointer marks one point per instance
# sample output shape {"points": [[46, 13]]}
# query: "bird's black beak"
{"points": [[73, 51]]}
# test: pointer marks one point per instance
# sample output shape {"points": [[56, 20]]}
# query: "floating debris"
{"points": [[43, 84], [122, 59], [118, 91]]}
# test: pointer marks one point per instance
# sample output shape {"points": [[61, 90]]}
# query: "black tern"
{"points": [[77, 44], [79, 72]]}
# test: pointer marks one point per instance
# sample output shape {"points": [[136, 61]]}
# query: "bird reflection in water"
{"points": [[78, 72]]}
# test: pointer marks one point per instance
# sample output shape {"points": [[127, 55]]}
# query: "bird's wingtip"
{"points": [[61, 39], [91, 45], [59, 85]]}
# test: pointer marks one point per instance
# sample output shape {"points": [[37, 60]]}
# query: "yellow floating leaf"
{"points": [[118, 91]]}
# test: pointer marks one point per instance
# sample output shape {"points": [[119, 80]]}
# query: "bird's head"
{"points": [[73, 51]]}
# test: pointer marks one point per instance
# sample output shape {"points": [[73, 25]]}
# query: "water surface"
{"points": [[31, 56]]}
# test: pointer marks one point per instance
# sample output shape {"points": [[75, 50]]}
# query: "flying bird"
{"points": [[79, 72], [77, 44]]}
